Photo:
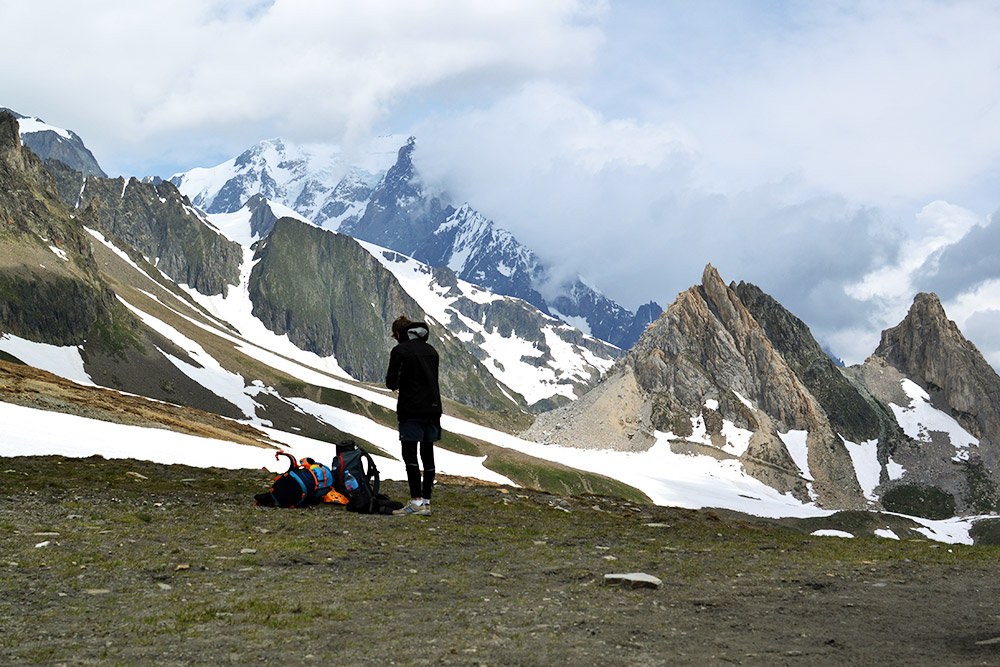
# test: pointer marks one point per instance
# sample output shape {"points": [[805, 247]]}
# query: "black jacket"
{"points": [[413, 370]]}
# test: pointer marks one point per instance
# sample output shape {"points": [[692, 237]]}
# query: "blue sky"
{"points": [[841, 155]]}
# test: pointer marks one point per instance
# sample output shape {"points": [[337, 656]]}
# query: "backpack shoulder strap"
{"points": [[372, 474]]}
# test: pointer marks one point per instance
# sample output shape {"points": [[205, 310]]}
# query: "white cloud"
{"points": [[937, 226], [142, 74], [877, 100]]}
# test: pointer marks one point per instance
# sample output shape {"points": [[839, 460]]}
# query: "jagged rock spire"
{"points": [[929, 348]]}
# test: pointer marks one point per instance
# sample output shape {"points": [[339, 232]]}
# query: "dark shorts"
{"points": [[420, 430]]}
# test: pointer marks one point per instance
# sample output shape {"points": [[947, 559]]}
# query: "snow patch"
{"points": [[580, 323], [920, 420], [211, 375], [65, 362], [795, 443], [508, 358], [866, 465], [32, 125]]}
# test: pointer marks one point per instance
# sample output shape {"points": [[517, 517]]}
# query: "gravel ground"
{"points": [[115, 562]]}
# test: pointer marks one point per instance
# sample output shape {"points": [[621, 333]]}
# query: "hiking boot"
{"points": [[410, 508]]}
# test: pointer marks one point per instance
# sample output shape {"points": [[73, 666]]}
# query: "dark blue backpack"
{"points": [[305, 483]]}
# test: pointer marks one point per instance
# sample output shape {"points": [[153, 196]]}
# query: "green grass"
{"points": [[492, 570], [542, 476], [929, 502]]}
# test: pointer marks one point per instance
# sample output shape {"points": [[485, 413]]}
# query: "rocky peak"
{"points": [[930, 349], [20, 161], [708, 360], [400, 215], [10, 137], [709, 332], [722, 301]]}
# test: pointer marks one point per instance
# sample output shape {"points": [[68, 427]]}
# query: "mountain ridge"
{"points": [[396, 209]]}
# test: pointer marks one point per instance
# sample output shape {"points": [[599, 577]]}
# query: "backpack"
{"points": [[305, 483], [356, 476]]}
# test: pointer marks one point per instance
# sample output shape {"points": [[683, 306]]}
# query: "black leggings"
{"points": [[413, 470]]}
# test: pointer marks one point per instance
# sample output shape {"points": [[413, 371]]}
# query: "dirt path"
{"points": [[114, 562]]}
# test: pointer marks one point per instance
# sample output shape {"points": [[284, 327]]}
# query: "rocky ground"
{"points": [[115, 562]]}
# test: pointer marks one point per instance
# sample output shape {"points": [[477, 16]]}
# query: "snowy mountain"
{"points": [[541, 359], [538, 356], [55, 143], [321, 183], [389, 204]]}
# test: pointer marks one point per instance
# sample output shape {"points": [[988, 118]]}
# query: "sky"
{"points": [[843, 156]]}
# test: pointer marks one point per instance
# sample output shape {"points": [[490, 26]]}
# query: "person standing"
{"points": [[413, 374]]}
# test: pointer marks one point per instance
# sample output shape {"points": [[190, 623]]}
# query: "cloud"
{"points": [[144, 74], [793, 145], [938, 227], [968, 262], [878, 101], [623, 208]]}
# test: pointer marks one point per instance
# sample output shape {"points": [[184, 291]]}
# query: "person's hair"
{"points": [[399, 325]]}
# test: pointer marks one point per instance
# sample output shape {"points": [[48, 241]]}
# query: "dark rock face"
{"points": [[262, 218], [50, 286], [50, 146], [53, 309], [400, 214], [69, 181], [331, 296], [852, 415], [160, 223], [607, 320], [10, 136]]}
